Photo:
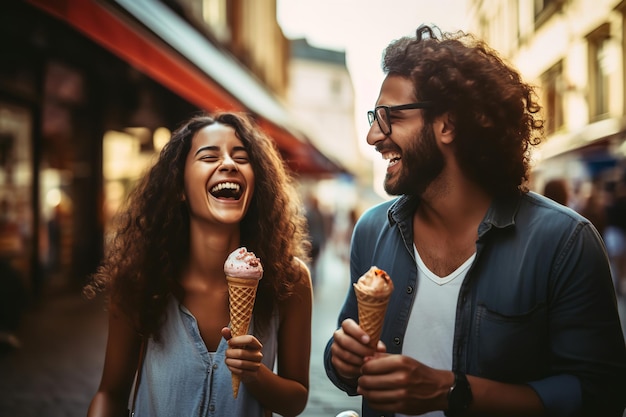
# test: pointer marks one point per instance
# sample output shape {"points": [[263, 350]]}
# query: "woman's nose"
{"points": [[228, 164]]}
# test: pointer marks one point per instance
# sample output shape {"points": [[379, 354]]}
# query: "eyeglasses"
{"points": [[382, 114]]}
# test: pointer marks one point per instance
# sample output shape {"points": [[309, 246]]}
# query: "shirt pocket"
{"points": [[512, 345]]}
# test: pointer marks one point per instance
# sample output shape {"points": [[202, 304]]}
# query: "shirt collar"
{"points": [[402, 209], [501, 213]]}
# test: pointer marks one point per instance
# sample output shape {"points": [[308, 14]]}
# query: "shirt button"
{"points": [[214, 366], [212, 407], [396, 341], [409, 289]]}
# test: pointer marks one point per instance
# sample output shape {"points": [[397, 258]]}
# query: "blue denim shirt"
{"points": [[537, 306], [181, 378]]}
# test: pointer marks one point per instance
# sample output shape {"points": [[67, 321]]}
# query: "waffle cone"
{"points": [[241, 296], [372, 311]]}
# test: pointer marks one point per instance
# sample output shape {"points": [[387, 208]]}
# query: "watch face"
{"points": [[460, 396]]}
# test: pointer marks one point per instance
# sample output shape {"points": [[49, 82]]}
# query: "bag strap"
{"points": [[142, 354]]}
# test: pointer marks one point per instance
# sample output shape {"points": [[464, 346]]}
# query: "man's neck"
{"points": [[453, 209], [445, 230]]}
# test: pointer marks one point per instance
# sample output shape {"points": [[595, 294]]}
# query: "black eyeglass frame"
{"points": [[373, 114]]}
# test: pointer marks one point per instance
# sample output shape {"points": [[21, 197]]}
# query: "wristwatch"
{"points": [[459, 396]]}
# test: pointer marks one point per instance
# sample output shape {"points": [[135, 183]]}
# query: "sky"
{"points": [[363, 28]]}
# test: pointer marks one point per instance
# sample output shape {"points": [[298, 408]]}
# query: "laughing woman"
{"points": [[219, 184]]}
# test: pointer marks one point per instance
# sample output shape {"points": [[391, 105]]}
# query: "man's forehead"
{"points": [[396, 90]]}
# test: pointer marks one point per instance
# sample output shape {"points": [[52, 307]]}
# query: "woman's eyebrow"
{"points": [[217, 148], [207, 148]]}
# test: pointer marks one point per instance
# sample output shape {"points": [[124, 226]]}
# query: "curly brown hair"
{"points": [[495, 113], [147, 254]]}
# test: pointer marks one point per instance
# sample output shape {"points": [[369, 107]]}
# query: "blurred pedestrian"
{"points": [[615, 232], [317, 230], [219, 184], [556, 189], [503, 303], [594, 208], [12, 304], [13, 298]]}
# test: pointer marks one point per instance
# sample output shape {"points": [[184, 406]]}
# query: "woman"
{"points": [[219, 184]]}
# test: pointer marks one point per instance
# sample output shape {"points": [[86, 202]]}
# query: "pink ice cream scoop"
{"points": [[243, 264]]}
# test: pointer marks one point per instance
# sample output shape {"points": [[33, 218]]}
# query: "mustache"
{"points": [[387, 146]]}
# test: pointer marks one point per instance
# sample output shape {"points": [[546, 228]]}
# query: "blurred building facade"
{"points": [[90, 90], [573, 51], [321, 97]]}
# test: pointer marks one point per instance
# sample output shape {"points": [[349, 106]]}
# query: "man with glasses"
{"points": [[503, 302]]}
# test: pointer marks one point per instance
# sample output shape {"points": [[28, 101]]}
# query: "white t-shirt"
{"points": [[430, 331]]}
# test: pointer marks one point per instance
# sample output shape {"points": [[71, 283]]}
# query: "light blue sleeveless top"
{"points": [[180, 377]]}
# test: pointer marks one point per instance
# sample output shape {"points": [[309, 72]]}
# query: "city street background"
{"points": [[57, 370]]}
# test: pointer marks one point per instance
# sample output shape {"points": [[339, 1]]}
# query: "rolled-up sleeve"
{"points": [[561, 395]]}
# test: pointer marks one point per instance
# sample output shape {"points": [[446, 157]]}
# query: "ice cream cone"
{"points": [[243, 271], [241, 293], [372, 311]]}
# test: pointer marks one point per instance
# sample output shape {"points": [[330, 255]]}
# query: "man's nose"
{"points": [[374, 134]]}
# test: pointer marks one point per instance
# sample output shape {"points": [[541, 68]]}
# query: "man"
{"points": [[503, 302]]}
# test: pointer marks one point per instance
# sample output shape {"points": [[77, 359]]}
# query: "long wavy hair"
{"points": [[150, 247], [495, 113]]}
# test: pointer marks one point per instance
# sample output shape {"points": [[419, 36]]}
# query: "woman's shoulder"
{"points": [[301, 285], [303, 271], [300, 298]]}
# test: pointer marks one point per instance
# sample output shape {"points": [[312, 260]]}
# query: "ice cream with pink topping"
{"points": [[243, 264]]}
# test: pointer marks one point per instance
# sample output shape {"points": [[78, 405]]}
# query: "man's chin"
{"points": [[391, 189], [397, 188]]}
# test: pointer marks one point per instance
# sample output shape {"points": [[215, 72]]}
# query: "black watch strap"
{"points": [[459, 396]]}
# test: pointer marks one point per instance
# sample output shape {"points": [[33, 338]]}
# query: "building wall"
{"points": [[81, 119], [60, 97], [563, 50], [259, 41], [321, 96], [248, 29]]}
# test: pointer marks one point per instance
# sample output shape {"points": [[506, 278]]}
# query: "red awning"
{"points": [[141, 48]]}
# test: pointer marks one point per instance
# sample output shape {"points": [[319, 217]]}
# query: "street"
{"points": [[57, 370]]}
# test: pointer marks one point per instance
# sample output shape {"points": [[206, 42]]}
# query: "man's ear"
{"points": [[445, 128]]}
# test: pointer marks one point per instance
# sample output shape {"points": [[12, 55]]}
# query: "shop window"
{"points": [[214, 13], [125, 159], [601, 60], [16, 172], [545, 9], [335, 87], [552, 96], [206, 15]]}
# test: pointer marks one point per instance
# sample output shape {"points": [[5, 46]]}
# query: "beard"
{"points": [[422, 162]]}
